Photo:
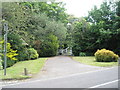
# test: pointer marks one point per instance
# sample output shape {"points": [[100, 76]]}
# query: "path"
{"points": [[63, 66]]}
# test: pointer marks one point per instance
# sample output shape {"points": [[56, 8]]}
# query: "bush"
{"points": [[18, 44], [82, 54], [11, 55], [22, 55], [104, 55], [32, 53], [9, 63]]}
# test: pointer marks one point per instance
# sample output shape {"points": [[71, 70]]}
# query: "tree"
{"points": [[14, 14], [41, 26], [50, 46], [81, 37], [104, 27], [32, 22]]}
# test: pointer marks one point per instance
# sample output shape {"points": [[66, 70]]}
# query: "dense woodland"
{"points": [[40, 29]]}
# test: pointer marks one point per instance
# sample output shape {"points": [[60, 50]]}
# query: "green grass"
{"points": [[17, 70], [91, 61]]}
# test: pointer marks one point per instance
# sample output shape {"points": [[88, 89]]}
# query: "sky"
{"points": [[80, 8]]}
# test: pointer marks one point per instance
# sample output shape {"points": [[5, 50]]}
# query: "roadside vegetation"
{"points": [[102, 58], [17, 70], [90, 60]]}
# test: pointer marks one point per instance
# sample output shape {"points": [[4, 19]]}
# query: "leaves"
{"points": [[102, 30], [10, 52]]}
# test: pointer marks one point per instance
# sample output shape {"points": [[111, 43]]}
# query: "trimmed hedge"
{"points": [[104, 55]]}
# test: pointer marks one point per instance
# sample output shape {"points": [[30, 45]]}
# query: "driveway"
{"points": [[63, 66]]}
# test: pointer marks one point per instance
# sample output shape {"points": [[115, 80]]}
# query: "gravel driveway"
{"points": [[63, 66]]}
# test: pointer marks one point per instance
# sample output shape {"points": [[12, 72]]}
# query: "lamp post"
{"points": [[5, 46]]}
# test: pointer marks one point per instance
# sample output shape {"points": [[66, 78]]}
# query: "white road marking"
{"points": [[96, 86], [60, 77]]}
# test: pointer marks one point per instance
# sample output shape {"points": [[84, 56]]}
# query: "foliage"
{"points": [[11, 55], [42, 31], [105, 25], [32, 22], [23, 55], [9, 63], [40, 26], [18, 44], [10, 52], [54, 10], [32, 53], [81, 37], [104, 55], [15, 41], [1, 67], [50, 46], [82, 54], [90, 60], [99, 29], [15, 14]]}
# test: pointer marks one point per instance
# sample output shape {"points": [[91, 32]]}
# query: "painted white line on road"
{"points": [[96, 86], [60, 77]]}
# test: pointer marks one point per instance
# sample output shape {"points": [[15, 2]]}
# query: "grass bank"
{"points": [[17, 70], [91, 61]]}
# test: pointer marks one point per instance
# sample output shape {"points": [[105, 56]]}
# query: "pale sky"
{"points": [[80, 8]]}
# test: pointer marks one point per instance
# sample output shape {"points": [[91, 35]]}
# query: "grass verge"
{"points": [[17, 70], [91, 61]]}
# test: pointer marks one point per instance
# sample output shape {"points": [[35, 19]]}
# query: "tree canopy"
{"points": [[46, 27]]}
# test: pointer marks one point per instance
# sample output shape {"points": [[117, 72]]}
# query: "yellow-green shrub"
{"points": [[104, 55], [11, 55]]}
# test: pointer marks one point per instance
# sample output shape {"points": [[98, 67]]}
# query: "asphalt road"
{"points": [[105, 78]]}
